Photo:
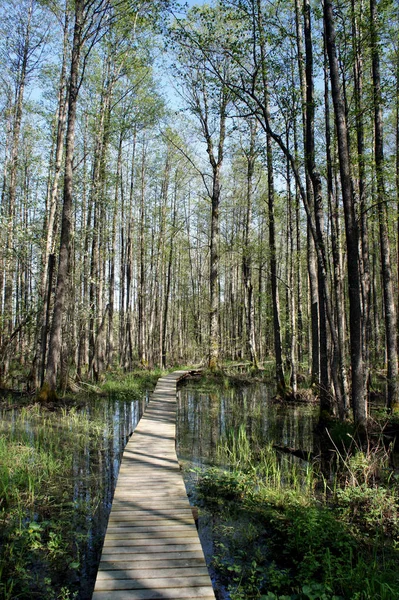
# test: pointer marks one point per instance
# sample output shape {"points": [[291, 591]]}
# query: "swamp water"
{"points": [[209, 421], [205, 418], [56, 489], [53, 551]]}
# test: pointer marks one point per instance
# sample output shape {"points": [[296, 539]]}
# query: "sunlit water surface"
{"points": [[95, 465], [204, 419]]}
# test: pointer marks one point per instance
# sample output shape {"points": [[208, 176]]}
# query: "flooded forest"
{"points": [[211, 185]]}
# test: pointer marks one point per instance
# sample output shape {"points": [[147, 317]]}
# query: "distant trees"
{"points": [[208, 98], [24, 31], [257, 219], [254, 32]]}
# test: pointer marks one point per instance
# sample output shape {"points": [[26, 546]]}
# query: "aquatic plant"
{"points": [[132, 385], [277, 537], [52, 495]]}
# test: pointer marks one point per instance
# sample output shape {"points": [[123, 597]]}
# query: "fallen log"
{"points": [[303, 454]]}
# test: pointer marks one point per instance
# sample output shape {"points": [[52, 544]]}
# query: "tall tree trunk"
{"points": [[216, 161], [280, 381], [359, 401], [357, 34], [87, 198], [161, 278], [142, 266], [169, 279], [297, 267], [214, 272], [338, 365], [54, 353], [389, 304], [311, 253], [112, 269], [273, 271], [397, 161], [4, 215], [50, 223], [291, 316], [127, 322], [324, 385], [8, 318], [99, 191], [247, 253]]}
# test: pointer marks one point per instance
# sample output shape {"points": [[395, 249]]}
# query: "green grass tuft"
{"points": [[276, 538]]}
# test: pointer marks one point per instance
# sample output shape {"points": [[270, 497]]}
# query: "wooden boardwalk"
{"points": [[151, 548]]}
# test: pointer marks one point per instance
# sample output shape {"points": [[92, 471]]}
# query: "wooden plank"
{"points": [[153, 557], [161, 563], [159, 527], [177, 514], [149, 534], [129, 543], [146, 510], [152, 573], [133, 492], [128, 479], [173, 530], [151, 548], [140, 583], [201, 593], [173, 517], [157, 499]]}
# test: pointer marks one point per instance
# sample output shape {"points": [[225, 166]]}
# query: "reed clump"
{"points": [[57, 460], [132, 385], [40, 521], [283, 530]]}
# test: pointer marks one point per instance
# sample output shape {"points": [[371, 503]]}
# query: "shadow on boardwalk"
{"points": [[151, 548]]}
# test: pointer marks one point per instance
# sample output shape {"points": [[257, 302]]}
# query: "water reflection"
{"points": [[204, 418], [92, 459], [86, 490]]}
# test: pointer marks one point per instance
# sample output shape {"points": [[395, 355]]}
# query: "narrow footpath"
{"points": [[151, 548]]}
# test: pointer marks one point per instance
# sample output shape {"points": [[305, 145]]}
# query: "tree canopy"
{"points": [[201, 184]]}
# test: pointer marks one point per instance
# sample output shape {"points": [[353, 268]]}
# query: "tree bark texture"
{"points": [[389, 304], [359, 401], [54, 353]]}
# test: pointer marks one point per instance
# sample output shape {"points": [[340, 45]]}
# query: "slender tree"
{"points": [[208, 98], [247, 249], [359, 401], [88, 21], [389, 305]]}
